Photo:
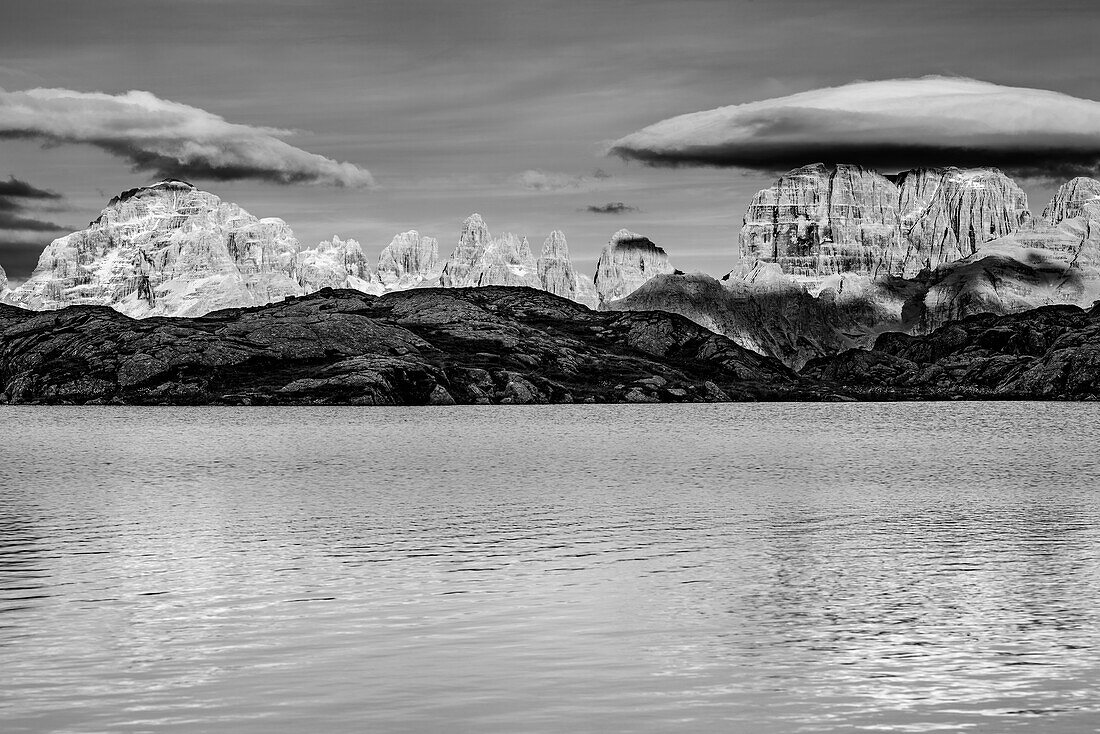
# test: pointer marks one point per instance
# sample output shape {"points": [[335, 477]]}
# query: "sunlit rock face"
{"points": [[336, 264], [3, 281], [816, 222], [1076, 198], [510, 262], [167, 249], [948, 213], [409, 261], [469, 259], [557, 274], [481, 260], [266, 253], [628, 261]]}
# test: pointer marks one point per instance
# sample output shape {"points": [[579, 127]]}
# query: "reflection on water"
{"points": [[743, 568]]}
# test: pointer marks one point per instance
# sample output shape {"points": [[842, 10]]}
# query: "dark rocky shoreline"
{"points": [[510, 345]]}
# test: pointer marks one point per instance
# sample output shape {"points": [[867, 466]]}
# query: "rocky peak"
{"points": [[1077, 197], [948, 213], [557, 274], [468, 261], [335, 264], [627, 261], [166, 249], [409, 261], [815, 222]]}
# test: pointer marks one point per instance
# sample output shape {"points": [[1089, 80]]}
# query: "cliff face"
{"points": [[947, 214], [468, 260], [816, 222], [336, 264], [509, 262], [481, 260], [1078, 197], [409, 261], [167, 249], [557, 274], [628, 261]]}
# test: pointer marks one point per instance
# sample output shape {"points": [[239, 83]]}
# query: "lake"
{"points": [[673, 568]]}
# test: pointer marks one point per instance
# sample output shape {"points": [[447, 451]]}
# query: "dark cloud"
{"points": [[8, 220], [612, 207], [15, 188], [168, 139], [888, 125], [13, 192]]}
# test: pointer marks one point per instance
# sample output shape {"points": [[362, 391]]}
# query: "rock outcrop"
{"points": [[509, 261], [167, 249], [1000, 279], [627, 261], [1078, 197], [557, 274], [1041, 354], [421, 346], [772, 313], [336, 264], [480, 260], [409, 261], [948, 213], [469, 260], [815, 221]]}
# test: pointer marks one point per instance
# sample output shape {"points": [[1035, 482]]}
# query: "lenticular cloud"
{"points": [[896, 124], [168, 138]]}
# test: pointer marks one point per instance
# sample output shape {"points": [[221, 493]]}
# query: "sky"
{"points": [[414, 114]]}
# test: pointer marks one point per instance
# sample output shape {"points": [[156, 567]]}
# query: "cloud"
{"points": [[16, 188], [613, 207], [167, 138], [893, 124], [12, 218], [539, 180]]}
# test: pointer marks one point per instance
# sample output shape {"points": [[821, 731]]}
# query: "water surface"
{"points": [[733, 568]]}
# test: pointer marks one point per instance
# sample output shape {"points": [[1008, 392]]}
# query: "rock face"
{"points": [[628, 261], [336, 264], [468, 261], [948, 213], [1079, 197], [409, 261], [816, 222], [509, 262], [167, 249], [437, 346], [557, 275], [172, 250], [1041, 354], [480, 260], [3, 281]]}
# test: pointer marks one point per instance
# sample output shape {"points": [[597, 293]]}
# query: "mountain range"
{"points": [[830, 258]]}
